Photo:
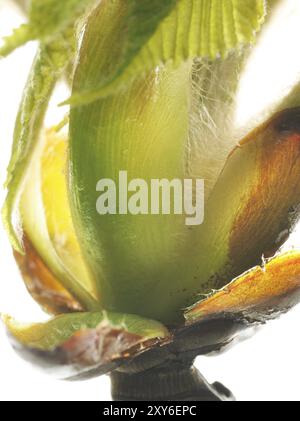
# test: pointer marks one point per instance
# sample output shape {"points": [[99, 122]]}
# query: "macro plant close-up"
{"points": [[149, 221]]}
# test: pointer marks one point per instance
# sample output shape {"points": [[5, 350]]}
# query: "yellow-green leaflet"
{"points": [[46, 19], [152, 32], [48, 66]]}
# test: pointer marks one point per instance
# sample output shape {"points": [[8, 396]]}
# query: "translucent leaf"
{"points": [[150, 32], [54, 179], [46, 220]]}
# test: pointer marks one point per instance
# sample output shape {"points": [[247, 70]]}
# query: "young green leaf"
{"points": [[48, 17], [154, 32], [48, 67], [46, 20], [19, 37]]}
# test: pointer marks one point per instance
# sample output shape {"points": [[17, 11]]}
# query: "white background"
{"points": [[265, 367]]}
